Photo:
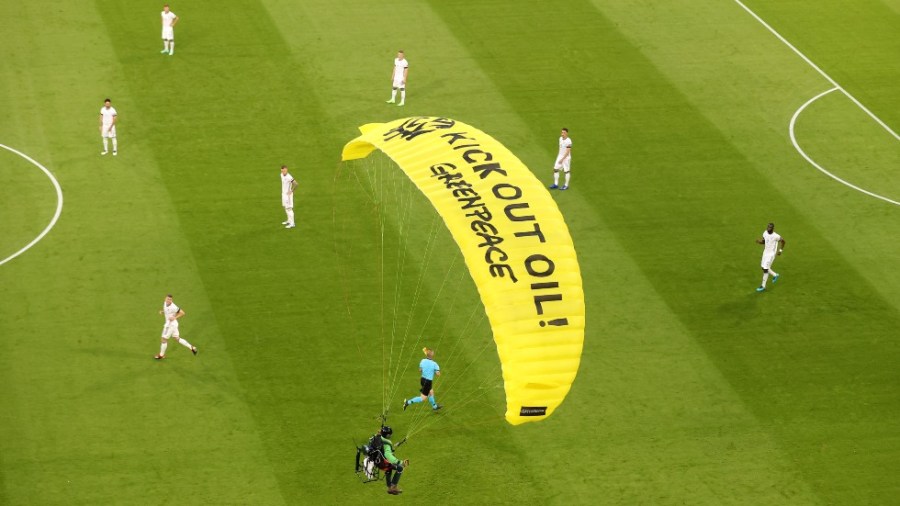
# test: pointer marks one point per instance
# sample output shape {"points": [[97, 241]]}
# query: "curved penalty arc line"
{"points": [[59, 203], [819, 70], [813, 162]]}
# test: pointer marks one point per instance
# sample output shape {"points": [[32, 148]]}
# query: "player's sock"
{"points": [[105, 144], [185, 343], [115, 145], [402, 96], [290, 216], [172, 47], [432, 401], [415, 400], [556, 178], [773, 273], [567, 179], [765, 278], [393, 94], [162, 348]]}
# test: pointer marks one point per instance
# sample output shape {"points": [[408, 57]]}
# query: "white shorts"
{"points": [[767, 260], [287, 200], [109, 133], [564, 165], [168, 33], [170, 330], [398, 83]]}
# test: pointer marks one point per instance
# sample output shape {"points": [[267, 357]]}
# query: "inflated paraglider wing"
{"points": [[515, 244]]}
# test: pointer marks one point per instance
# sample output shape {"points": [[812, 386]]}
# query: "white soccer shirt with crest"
{"points": [[287, 196], [771, 247], [400, 65], [564, 144], [168, 31], [170, 329], [109, 130]]}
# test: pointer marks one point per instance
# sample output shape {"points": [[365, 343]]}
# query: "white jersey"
{"points": [[772, 240], [170, 311], [564, 144], [287, 183], [168, 18], [400, 64], [108, 115]]}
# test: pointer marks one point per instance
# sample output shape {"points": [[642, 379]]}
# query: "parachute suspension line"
{"points": [[386, 369], [481, 318], [431, 311], [521, 331], [477, 394], [457, 377], [389, 181], [434, 304], [466, 334], [342, 270], [367, 188], [448, 314], [380, 206], [426, 420], [462, 374], [428, 249], [439, 343], [387, 184], [403, 208], [369, 185]]}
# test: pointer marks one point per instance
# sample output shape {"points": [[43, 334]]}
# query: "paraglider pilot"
{"points": [[391, 465]]}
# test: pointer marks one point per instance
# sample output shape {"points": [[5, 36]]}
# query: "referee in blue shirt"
{"points": [[429, 369]]}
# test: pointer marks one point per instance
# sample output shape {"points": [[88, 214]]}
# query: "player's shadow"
{"points": [[741, 308], [183, 365], [98, 351]]}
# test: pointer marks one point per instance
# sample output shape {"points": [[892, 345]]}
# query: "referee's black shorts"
{"points": [[426, 386]]}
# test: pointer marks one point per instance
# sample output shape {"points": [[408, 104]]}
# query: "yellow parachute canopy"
{"points": [[515, 244]]}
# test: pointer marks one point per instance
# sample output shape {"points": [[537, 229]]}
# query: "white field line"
{"points": [[59, 203], [816, 165], [820, 71]]}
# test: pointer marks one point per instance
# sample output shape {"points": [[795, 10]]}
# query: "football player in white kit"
{"points": [[288, 185], [563, 160], [398, 78], [168, 30], [774, 245], [108, 117], [172, 313]]}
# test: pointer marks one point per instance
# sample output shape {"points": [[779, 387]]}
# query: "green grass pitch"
{"points": [[693, 388]]}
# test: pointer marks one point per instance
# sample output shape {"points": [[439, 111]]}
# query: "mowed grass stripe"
{"points": [[875, 309], [254, 112], [474, 84], [854, 44], [657, 198], [94, 407], [866, 154], [345, 108], [553, 68], [363, 102], [747, 83], [268, 284], [287, 363], [214, 177]]}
